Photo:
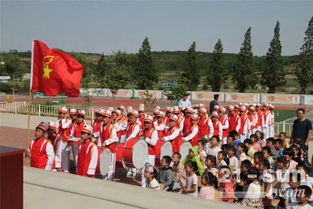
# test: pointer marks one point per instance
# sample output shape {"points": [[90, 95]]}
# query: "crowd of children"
{"points": [[234, 156]]}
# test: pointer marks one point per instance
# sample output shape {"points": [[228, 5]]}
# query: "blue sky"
{"points": [[107, 26]]}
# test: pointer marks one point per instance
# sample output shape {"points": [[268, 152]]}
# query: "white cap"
{"points": [[51, 125], [82, 112], [173, 117], [214, 114], [87, 129], [149, 118], [73, 111], [63, 110]]}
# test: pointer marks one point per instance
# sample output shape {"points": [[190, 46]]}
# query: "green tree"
{"points": [[101, 71], [243, 71], [14, 66], [190, 76], [216, 73], [117, 78], [304, 70], [273, 74], [145, 75]]}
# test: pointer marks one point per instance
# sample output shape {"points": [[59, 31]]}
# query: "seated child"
{"points": [[150, 175], [191, 187], [210, 163], [210, 184], [193, 157], [166, 174]]}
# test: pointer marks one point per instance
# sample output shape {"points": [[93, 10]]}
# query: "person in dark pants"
{"points": [[302, 129], [214, 102]]}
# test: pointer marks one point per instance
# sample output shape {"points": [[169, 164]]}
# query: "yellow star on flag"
{"points": [[46, 72]]}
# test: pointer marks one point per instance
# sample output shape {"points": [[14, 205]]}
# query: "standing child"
{"points": [[150, 175], [87, 154], [191, 187], [209, 190], [40, 149]]}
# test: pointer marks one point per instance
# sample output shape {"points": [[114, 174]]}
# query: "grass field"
{"points": [[281, 115]]}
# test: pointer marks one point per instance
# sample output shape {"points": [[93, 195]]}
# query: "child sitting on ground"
{"points": [[191, 187], [179, 174], [210, 184], [193, 157], [150, 176], [166, 174], [303, 197]]}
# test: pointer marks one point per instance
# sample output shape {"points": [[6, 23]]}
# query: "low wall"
{"points": [[229, 97]]}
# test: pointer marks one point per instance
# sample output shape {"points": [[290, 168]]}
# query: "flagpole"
{"points": [[30, 99]]}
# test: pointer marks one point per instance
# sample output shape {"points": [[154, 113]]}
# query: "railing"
{"points": [[40, 109]]}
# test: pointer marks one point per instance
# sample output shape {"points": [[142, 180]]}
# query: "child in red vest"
{"points": [[173, 134], [40, 149], [87, 154], [193, 131], [108, 139]]}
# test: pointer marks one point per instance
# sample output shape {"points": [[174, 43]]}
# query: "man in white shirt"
{"points": [[185, 102]]}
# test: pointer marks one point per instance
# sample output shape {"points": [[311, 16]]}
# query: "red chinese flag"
{"points": [[54, 72]]}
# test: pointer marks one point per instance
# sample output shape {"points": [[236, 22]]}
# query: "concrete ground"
{"points": [[52, 190]]}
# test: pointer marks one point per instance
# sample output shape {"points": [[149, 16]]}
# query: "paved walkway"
{"points": [[51, 190]]}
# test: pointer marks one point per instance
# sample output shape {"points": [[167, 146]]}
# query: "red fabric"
{"points": [[84, 157], [194, 140], [130, 129], [63, 72], [203, 127], [175, 142], [243, 119], [259, 122], [142, 121], [233, 119], [216, 127], [187, 125], [106, 134], [223, 121], [38, 153], [160, 133], [147, 133], [96, 126], [78, 127], [63, 132]]}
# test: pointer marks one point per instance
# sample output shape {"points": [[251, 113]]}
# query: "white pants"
{"points": [[271, 131], [75, 149], [110, 174], [61, 155], [265, 130], [151, 161], [224, 140], [242, 137]]}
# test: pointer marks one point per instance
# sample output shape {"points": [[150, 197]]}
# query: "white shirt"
{"points": [[154, 184], [192, 180], [254, 191], [185, 104], [307, 206]]}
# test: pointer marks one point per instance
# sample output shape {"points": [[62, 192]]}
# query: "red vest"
{"points": [[63, 132], [216, 127], [243, 120], [187, 125], [203, 127], [175, 142], [148, 133], [120, 120], [223, 121], [259, 122], [84, 157], [194, 140], [96, 126], [142, 121], [161, 133], [77, 133], [106, 134], [130, 129], [233, 120], [38, 153]]}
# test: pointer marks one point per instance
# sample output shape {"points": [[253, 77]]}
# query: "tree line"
{"points": [[145, 69]]}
